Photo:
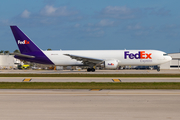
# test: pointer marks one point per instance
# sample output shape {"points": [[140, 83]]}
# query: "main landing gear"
{"points": [[90, 69]]}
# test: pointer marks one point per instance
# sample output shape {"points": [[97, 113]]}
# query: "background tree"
{"points": [[48, 49], [1, 51], [16, 51], [6, 52]]}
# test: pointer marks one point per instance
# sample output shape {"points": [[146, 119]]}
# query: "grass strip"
{"points": [[92, 85], [89, 75]]}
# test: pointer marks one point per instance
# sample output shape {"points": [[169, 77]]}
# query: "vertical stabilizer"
{"points": [[24, 43], [27, 47]]}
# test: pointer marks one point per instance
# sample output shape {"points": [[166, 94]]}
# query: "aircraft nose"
{"points": [[169, 58]]}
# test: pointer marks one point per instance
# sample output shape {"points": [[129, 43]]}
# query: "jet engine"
{"points": [[111, 64]]}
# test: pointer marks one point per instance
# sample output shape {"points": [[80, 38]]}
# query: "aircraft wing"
{"points": [[85, 60]]}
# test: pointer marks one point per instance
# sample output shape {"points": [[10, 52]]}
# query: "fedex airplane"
{"points": [[110, 58]]}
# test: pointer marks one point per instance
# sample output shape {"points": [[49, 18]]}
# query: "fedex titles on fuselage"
{"points": [[139, 55], [23, 42]]}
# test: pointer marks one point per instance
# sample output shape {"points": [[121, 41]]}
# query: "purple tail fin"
{"points": [[27, 47], [24, 43]]}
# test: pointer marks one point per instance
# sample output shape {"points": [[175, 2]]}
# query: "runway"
{"points": [[85, 72], [87, 105], [86, 79]]}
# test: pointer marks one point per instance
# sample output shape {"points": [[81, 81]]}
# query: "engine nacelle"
{"points": [[111, 64]]}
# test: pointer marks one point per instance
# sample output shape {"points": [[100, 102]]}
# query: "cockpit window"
{"points": [[165, 54]]}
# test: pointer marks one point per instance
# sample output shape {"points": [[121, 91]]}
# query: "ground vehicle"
{"points": [[23, 66]]}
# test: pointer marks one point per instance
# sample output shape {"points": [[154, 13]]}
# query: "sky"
{"points": [[93, 24]]}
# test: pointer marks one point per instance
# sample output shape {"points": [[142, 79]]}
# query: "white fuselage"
{"points": [[131, 57]]}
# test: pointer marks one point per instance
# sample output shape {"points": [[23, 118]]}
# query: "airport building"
{"points": [[174, 63], [8, 62]]}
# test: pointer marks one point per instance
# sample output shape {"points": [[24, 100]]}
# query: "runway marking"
{"points": [[95, 89], [116, 80], [27, 80]]}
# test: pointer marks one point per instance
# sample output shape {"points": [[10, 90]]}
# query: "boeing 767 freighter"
{"points": [[110, 58]]}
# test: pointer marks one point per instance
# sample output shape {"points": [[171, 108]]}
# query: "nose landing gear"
{"points": [[158, 68]]}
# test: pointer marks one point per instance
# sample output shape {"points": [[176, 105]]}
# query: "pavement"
{"points": [[26, 104], [85, 104], [86, 79], [169, 71]]}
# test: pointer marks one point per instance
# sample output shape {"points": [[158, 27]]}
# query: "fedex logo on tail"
{"points": [[23, 42], [139, 55]]}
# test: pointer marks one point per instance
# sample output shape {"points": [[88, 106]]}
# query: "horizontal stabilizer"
{"points": [[22, 55]]}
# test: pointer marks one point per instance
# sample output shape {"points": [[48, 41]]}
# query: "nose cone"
{"points": [[168, 58]]}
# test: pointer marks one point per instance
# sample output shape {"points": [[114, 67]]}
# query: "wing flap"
{"points": [[85, 60]]}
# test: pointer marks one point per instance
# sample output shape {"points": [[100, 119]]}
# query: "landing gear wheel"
{"points": [[90, 69], [93, 70], [158, 69]]}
